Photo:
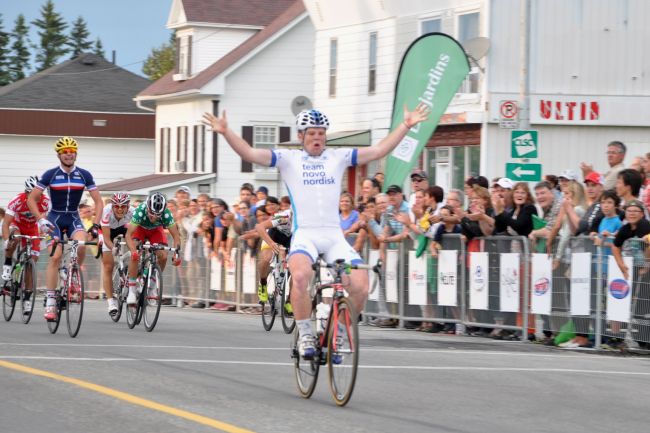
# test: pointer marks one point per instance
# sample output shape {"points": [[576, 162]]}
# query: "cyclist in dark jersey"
{"points": [[66, 184]]}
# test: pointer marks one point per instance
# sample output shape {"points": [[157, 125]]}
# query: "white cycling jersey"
{"points": [[109, 219], [314, 183]]}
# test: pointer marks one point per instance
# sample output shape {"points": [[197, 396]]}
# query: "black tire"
{"points": [[343, 360], [75, 301], [152, 301], [28, 291], [132, 313], [269, 309], [120, 284], [8, 299], [306, 371], [53, 325], [288, 321]]}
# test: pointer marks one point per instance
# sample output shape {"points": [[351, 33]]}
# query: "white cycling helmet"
{"points": [[311, 119], [30, 183], [156, 203]]}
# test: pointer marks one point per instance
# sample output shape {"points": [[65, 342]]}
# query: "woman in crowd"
{"points": [[347, 215], [518, 221]]}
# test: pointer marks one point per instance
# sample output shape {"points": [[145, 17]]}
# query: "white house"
{"points": [[254, 61], [587, 78], [87, 98]]}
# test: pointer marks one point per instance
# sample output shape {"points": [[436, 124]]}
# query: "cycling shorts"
{"points": [[155, 235], [280, 238], [65, 223], [115, 233], [27, 229], [328, 241]]}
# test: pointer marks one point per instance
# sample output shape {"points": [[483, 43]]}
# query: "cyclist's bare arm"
{"points": [[6, 222], [130, 243], [261, 229], [106, 232], [32, 203], [176, 236], [385, 146], [99, 205], [238, 144]]}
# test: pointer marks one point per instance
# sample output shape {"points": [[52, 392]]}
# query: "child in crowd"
{"points": [[444, 227]]}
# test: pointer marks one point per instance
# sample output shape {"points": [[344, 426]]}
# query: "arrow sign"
{"points": [[524, 172], [523, 144]]}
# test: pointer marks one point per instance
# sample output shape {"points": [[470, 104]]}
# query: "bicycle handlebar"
{"points": [[58, 242], [158, 247], [341, 263], [26, 237]]}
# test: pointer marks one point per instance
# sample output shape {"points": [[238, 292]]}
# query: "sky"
{"points": [[130, 27]]}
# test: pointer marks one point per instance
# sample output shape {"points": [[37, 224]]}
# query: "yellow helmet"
{"points": [[65, 143]]}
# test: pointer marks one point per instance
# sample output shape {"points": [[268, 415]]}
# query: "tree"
{"points": [[99, 48], [160, 61], [78, 40], [53, 39], [5, 77], [19, 60]]}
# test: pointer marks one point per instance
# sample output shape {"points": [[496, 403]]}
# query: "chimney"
{"points": [[114, 56]]}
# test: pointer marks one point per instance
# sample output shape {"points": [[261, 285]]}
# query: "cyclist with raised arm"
{"points": [[19, 220], [150, 219], [115, 222], [66, 184], [313, 177]]}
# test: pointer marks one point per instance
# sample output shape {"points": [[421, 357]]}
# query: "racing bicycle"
{"points": [[120, 275], [337, 346], [22, 285], [278, 283], [70, 292], [149, 287]]}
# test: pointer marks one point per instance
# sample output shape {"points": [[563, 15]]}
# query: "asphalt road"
{"points": [[206, 371]]}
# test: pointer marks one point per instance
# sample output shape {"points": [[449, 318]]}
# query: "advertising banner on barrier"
{"points": [[373, 284], [432, 69], [391, 275], [478, 281], [619, 291], [541, 283], [580, 284], [509, 282], [417, 279], [215, 273], [231, 268], [248, 274], [448, 278]]}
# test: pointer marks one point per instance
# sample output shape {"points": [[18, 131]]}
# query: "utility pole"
{"points": [[524, 55]]}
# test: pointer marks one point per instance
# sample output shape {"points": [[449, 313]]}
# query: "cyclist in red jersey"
{"points": [[19, 220]]}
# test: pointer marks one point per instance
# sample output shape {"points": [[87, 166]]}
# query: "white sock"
{"points": [[304, 327], [51, 298]]}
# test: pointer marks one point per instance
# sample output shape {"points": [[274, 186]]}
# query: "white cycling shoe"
{"points": [[6, 272], [307, 346], [131, 299], [112, 306]]}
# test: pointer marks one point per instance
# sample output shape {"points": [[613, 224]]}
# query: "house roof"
{"points": [[248, 12], [153, 181], [86, 83], [166, 85]]}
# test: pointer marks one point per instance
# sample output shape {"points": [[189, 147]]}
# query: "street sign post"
{"points": [[524, 172], [508, 115], [524, 144]]}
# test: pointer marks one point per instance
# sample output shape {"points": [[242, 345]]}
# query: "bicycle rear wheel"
{"points": [[8, 299], [152, 299], [288, 321], [269, 309], [75, 301], [28, 290], [306, 371], [343, 352], [119, 286]]}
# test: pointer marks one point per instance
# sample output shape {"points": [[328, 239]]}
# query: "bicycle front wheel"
{"points": [[288, 321], [53, 325], [8, 300], [152, 301], [269, 308], [119, 287], [343, 352], [306, 370], [28, 290], [75, 301]]}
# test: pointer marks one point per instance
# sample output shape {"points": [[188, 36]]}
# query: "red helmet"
{"points": [[121, 198]]}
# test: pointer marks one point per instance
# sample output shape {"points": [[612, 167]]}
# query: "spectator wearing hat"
{"points": [[262, 193], [590, 221], [394, 231], [566, 178], [502, 200], [615, 156], [419, 182], [475, 180], [183, 193]]}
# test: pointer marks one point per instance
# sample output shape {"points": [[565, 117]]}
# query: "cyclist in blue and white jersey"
{"points": [[66, 184], [313, 178]]}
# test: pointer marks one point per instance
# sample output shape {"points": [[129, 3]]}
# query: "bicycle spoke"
{"points": [[306, 371], [269, 308], [152, 299], [28, 291], [288, 321], [75, 301], [8, 300]]}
